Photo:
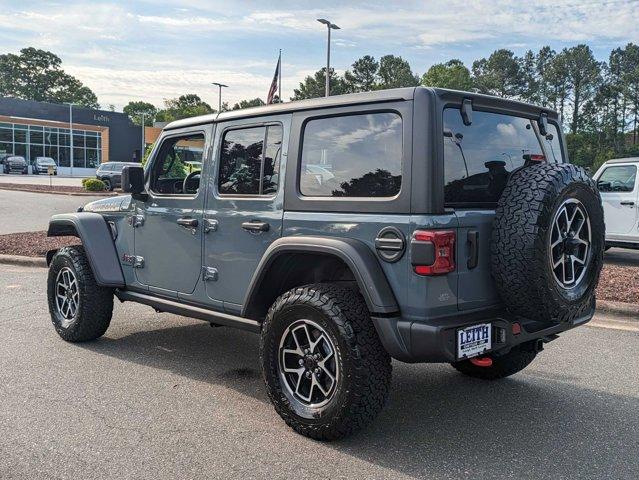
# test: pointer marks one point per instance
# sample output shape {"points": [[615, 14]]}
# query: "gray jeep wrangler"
{"points": [[418, 224]]}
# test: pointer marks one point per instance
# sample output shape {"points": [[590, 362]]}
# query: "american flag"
{"points": [[275, 82]]}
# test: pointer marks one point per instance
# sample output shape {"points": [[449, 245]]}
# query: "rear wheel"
{"points": [[502, 366], [325, 369], [80, 309]]}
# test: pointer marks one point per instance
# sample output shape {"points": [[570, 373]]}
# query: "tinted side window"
{"points": [[620, 178], [479, 157], [352, 156], [247, 167]]}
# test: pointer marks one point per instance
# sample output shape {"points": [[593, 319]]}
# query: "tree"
{"points": [[500, 74], [543, 63], [315, 86], [135, 109], [630, 85], [362, 77], [185, 106], [255, 102], [583, 74], [452, 74], [395, 72], [37, 75]]}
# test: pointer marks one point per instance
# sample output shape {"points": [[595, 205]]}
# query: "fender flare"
{"points": [[98, 244], [354, 253]]}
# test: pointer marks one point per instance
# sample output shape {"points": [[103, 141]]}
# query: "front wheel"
{"points": [[107, 185], [80, 309], [326, 371]]}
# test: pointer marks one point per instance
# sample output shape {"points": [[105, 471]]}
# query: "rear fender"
{"points": [[355, 254]]}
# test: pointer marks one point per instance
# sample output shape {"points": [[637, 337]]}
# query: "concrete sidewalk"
{"points": [[41, 180]]}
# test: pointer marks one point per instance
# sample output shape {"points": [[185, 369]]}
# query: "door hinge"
{"points": [[209, 274], [136, 221]]}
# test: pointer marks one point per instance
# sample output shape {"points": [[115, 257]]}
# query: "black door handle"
{"points": [[256, 226], [627, 202], [473, 246], [187, 222]]}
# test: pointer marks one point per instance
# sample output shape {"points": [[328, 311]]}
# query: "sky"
{"points": [[152, 50]]}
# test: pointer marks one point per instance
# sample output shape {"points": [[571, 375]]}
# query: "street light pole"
{"points": [[71, 137], [219, 99], [330, 26]]}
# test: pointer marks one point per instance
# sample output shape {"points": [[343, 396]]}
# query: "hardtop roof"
{"points": [[396, 94]]}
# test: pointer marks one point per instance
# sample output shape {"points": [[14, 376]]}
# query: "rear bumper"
{"points": [[435, 340]]}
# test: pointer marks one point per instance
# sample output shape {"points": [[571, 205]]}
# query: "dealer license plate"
{"points": [[473, 341]]}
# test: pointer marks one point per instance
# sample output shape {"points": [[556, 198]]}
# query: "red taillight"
{"points": [[433, 252], [538, 158]]}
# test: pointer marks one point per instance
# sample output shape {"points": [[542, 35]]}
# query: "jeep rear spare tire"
{"points": [[547, 243]]}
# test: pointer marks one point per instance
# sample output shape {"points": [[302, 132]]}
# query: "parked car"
{"points": [[15, 164], [617, 181], [42, 165], [451, 229], [111, 173]]}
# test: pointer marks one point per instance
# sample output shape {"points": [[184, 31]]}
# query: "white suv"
{"points": [[617, 182]]}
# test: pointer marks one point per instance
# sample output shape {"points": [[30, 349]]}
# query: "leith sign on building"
{"points": [[36, 129]]}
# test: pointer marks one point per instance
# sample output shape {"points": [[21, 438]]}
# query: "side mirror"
{"points": [[133, 181]]}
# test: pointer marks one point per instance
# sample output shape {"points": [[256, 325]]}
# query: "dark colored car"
{"points": [[424, 225], [15, 164], [111, 173]]}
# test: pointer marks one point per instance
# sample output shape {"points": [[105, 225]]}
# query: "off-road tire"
{"points": [[364, 382], [95, 308], [503, 366], [520, 242]]}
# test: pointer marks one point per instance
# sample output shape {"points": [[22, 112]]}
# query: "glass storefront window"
{"points": [[20, 134], [78, 139], [6, 135], [78, 157], [31, 141], [6, 147], [35, 134]]}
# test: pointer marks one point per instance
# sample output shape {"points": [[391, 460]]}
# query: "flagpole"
{"points": [[280, 79]]}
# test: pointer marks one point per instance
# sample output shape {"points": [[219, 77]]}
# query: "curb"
{"points": [[23, 261], [620, 309], [53, 192]]}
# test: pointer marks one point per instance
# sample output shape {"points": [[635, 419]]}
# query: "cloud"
{"points": [[158, 49]]}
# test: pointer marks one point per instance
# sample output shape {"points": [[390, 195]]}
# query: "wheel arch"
{"points": [[295, 261], [95, 235]]}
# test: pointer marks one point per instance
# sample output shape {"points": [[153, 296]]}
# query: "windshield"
{"points": [[45, 161]]}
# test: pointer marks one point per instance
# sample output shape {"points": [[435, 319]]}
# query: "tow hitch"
{"points": [[482, 361]]}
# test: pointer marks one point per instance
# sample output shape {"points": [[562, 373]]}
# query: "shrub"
{"points": [[93, 185]]}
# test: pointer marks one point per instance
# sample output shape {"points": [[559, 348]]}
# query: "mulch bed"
{"points": [[617, 284], [52, 189], [33, 244]]}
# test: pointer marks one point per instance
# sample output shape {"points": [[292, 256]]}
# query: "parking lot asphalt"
{"points": [[161, 396], [28, 212]]}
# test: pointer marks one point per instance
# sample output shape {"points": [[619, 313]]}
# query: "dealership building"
{"points": [[36, 129]]}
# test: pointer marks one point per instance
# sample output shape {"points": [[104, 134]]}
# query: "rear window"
{"points": [[478, 158], [620, 178], [352, 156]]}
